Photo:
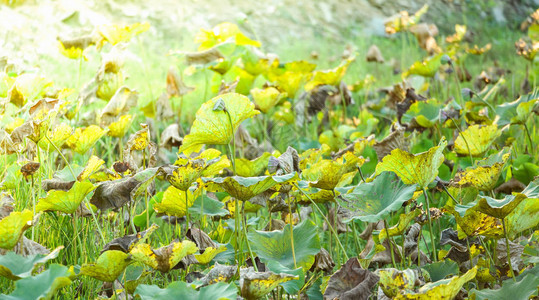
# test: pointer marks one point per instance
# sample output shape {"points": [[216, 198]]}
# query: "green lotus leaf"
{"points": [[524, 287], [15, 267], [499, 208], [376, 200], [42, 286], [183, 290], [108, 266], [251, 168], [518, 111], [164, 258], [83, 139], [523, 216], [292, 286], [209, 254], [326, 174], [317, 195], [275, 245], [213, 126], [329, 77], [133, 276], [425, 113], [421, 168], [245, 188], [13, 226], [65, 201], [206, 206], [174, 202], [266, 99], [254, 285], [442, 289], [425, 68], [441, 269], [476, 140]]}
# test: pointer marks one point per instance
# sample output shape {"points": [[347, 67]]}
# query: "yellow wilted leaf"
{"points": [[83, 139], [114, 33], [419, 168], [120, 127], [65, 201], [442, 289], [326, 174], [94, 163], [59, 136], [266, 99], [255, 167], [222, 33], [331, 77], [13, 226], [483, 177], [212, 124], [254, 285], [108, 266], [174, 202], [425, 68], [28, 87], [476, 139], [209, 254], [164, 258]]}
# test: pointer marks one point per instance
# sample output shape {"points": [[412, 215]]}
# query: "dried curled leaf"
{"points": [[351, 282]]}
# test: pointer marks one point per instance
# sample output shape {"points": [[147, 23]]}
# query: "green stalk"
{"points": [[390, 244], [291, 233], [529, 139], [247, 240], [508, 250], [430, 226], [326, 219], [186, 212], [85, 199]]}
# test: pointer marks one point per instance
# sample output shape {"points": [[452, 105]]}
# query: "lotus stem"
{"points": [[529, 139], [291, 232], [326, 219], [186, 212], [433, 241], [508, 251], [247, 240], [391, 244]]}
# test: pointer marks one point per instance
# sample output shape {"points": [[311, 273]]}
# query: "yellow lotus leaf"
{"points": [[213, 125], [174, 202], [14, 124], [403, 20], [425, 68], [59, 136], [318, 195], [250, 168], [108, 84], [245, 188], [219, 162], [326, 174], [114, 33], [72, 52], [84, 138], [65, 201], [441, 289], [188, 171], [222, 33], [139, 140], [394, 281], [400, 228], [483, 177], [331, 77], [27, 87], [460, 31], [108, 266], [419, 168], [254, 285], [94, 163], [13, 226], [120, 127], [209, 254], [471, 222], [266, 99], [476, 140], [164, 258]]}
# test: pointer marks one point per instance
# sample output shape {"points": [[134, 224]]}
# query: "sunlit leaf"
{"points": [[326, 174], [484, 176], [330, 77], [94, 163], [59, 136], [209, 254], [13, 226], [85, 138], [213, 126], [266, 99], [174, 202], [419, 168], [254, 285], [476, 140], [164, 258], [108, 266], [250, 168], [115, 33], [425, 68], [222, 33], [66, 202]]}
